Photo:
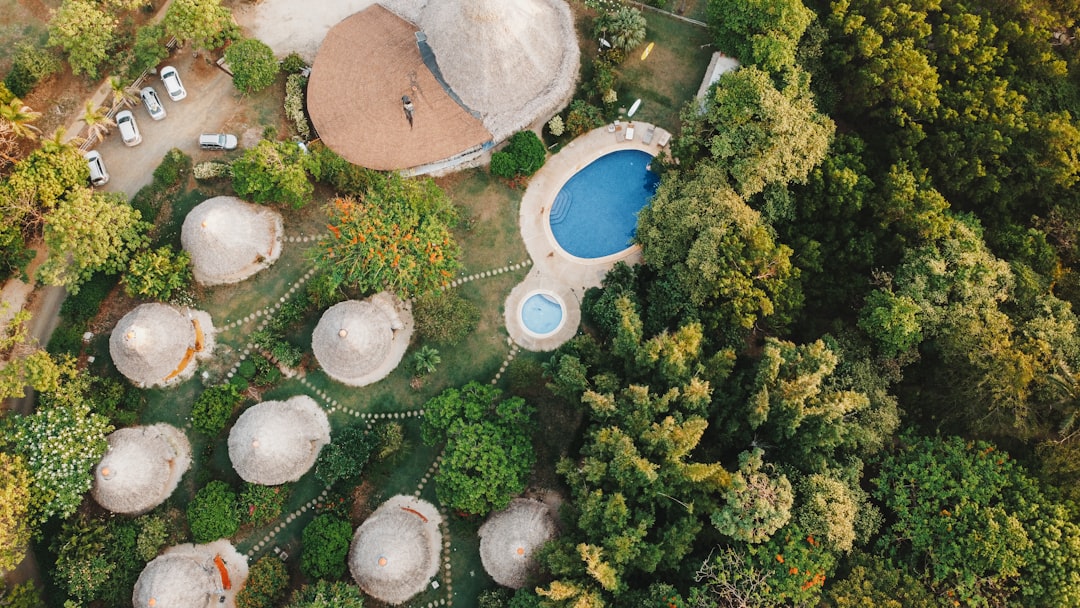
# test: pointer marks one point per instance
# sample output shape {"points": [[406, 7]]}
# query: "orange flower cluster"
{"points": [[780, 558], [817, 579]]}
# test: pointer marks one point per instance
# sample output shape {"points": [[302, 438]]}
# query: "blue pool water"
{"points": [[595, 213], [541, 314]]}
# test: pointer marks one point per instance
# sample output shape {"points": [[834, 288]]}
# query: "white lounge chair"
{"points": [[629, 131], [647, 138]]}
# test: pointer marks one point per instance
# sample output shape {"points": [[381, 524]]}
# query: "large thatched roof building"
{"points": [[275, 442], [159, 345], [230, 240], [192, 576], [360, 342], [474, 71], [141, 468], [509, 538], [395, 552]]}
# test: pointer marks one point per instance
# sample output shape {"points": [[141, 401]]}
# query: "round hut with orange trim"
{"points": [[141, 468], [395, 552], [361, 342], [275, 442], [510, 538], [192, 576], [159, 345]]}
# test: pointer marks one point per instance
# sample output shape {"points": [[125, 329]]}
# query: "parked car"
{"points": [[99, 175], [129, 130], [171, 79], [152, 102], [217, 141]]}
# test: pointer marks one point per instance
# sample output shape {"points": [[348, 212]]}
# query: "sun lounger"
{"points": [[629, 132], [663, 139], [647, 138]]}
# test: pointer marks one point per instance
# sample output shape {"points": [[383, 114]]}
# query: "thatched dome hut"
{"points": [[512, 61], [509, 538], [230, 240], [275, 442], [192, 576], [159, 345], [141, 468], [360, 342], [395, 552]]}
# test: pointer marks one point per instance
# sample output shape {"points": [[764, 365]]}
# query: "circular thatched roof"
{"points": [[509, 538], [358, 343], [395, 552], [513, 61], [158, 345], [141, 468], [192, 576], [275, 442], [230, 240], [366, 64]]}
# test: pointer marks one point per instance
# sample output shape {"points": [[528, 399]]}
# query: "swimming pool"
{"points": [[595, 213], [541, 313]]}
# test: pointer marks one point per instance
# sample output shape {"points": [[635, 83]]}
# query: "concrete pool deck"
{"points": [[553, 268]]}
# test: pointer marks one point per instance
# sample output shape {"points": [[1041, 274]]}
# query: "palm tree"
{"points": [[18, 116], [122, 95], [97, 121], [426, 360], [624, 28]]}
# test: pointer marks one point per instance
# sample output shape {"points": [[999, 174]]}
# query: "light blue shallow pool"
{"points": [[595, 213], [541, 314]]}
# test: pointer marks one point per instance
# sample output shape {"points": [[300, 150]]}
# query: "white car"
{"points": [[152, 102], [217, 141], [129, 130], [171, 78], [99, 176]]}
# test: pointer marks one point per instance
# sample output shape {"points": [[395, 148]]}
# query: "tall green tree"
{"points": [[157, 274], [325, 594], [762, 33], [488, 454], [200, 22], [253, 65], [758, 501], [86, 32], [273, 172], [14, 508]]}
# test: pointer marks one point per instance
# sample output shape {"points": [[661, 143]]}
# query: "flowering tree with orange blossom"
{"points": [[395, 238]]}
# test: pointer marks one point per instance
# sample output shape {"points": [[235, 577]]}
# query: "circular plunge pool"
{"points": [[595, 213], [541, 313]]}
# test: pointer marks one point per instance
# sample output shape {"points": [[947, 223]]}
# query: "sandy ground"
{"points": [[289, 26]]}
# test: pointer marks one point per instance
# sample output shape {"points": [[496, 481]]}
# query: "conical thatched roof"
{"points": [[509, 538], [141, 468], [275, 442], [395, 552], [358, 343], [192, 576], [158, 345], [230, 240], [513, 61]]}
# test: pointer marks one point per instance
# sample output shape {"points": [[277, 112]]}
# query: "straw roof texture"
{"points": [[141, 468], [158, 345], [360, 342], [395, 552], [513, 61], [186, 576], [275, 442], [509, 538], [365, 65], [230, 240]]}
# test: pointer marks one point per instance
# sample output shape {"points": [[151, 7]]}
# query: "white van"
{"points": [[99, 175], [217, 141]]}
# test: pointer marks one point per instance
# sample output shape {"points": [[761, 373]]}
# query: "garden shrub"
{"points": [[286, 354], [294, 105], [345, 177], [345, 457], [389, 439], [148, 49], [261, 504], [583, 117], [266, 372], [325, 594], [265, 586], [524, 155], [176, 166], [212, 169], [493, 598], [214, 407], [444, 317], [29, 66], [24, 595], [326, 543], [293, 63], [556, 126], [153, 534], [213, 513], [158, 274], [253, 65], [246, 369]]}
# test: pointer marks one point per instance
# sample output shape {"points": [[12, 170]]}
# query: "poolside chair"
{"points": [[664, 138], [629, 131], [647, 138]]}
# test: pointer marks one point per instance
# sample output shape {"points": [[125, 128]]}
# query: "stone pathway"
{"points": [[283, 524], [514, 348], [490, 273]]}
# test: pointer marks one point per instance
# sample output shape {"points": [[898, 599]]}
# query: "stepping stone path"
{"points": [[514, 348], [281, 525], [489, 273]]}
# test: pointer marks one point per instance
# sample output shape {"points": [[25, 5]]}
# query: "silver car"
{"points": [[99, 175], [129, 130], [171, 79], [152, 102]]}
